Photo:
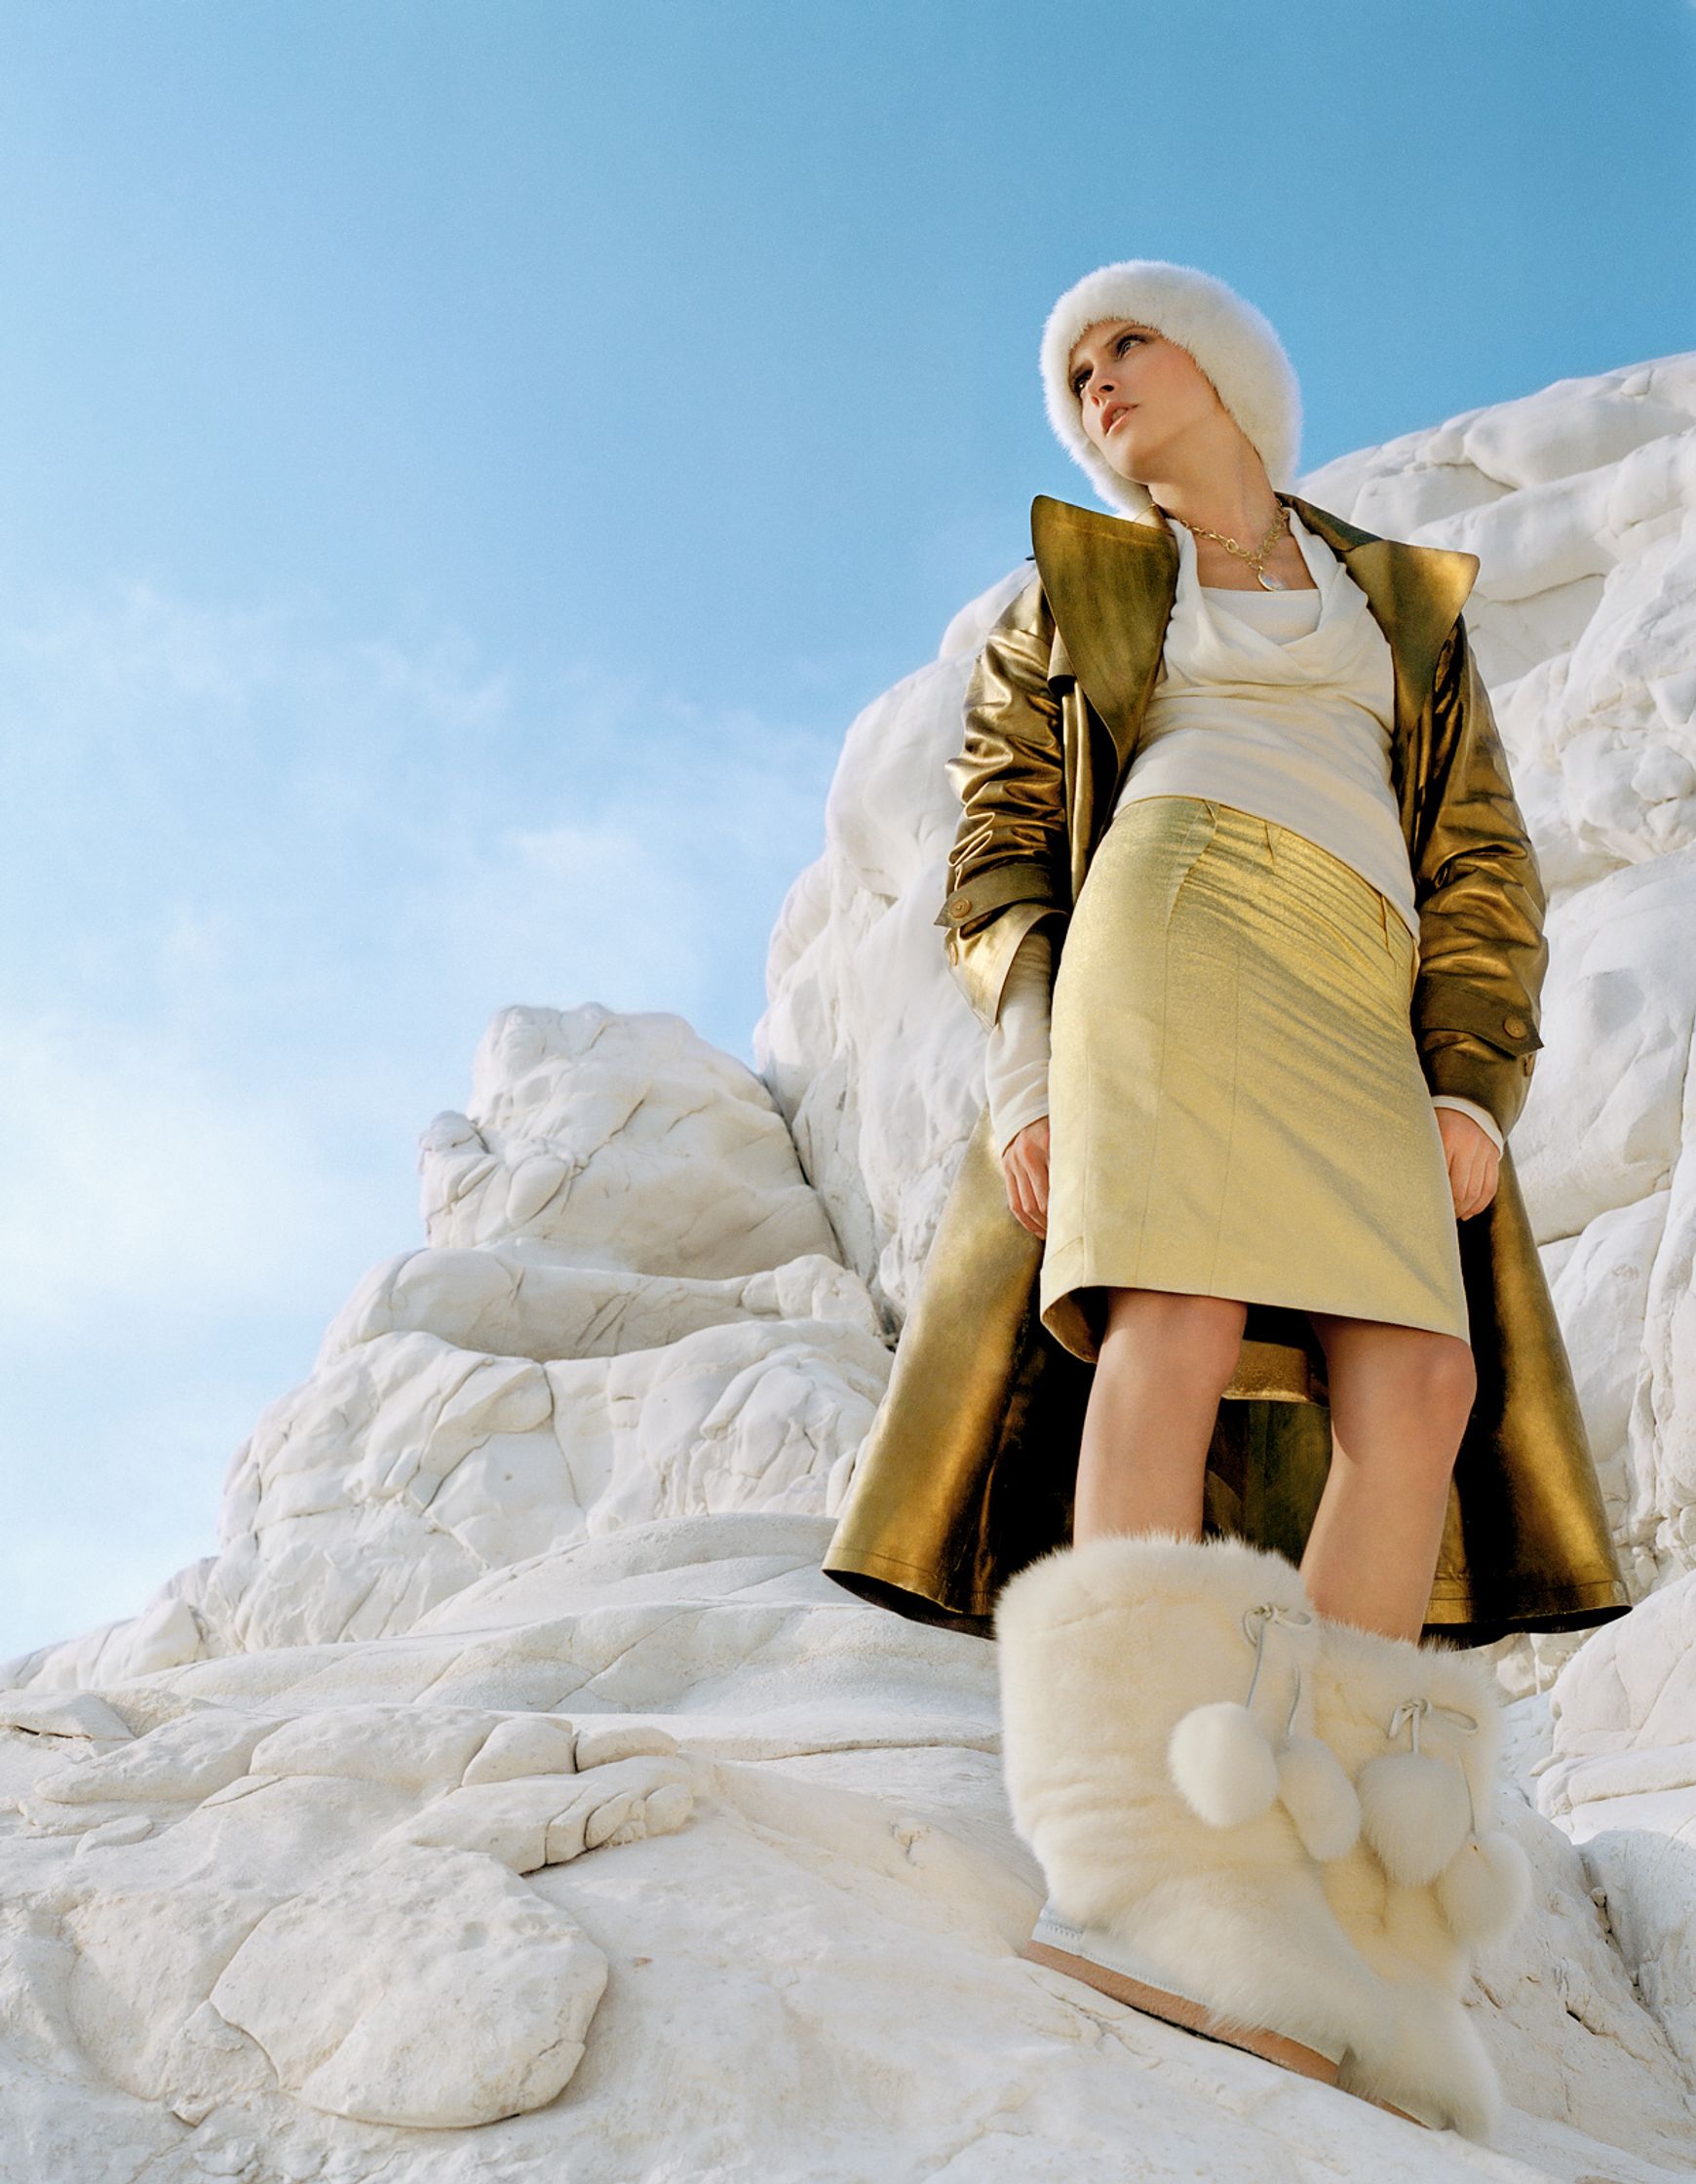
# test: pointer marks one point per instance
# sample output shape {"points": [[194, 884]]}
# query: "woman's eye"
{"points": [[1118, 351]]}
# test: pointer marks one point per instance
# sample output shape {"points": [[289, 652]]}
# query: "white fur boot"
{"points": [[1147, 1684], [1418, 1729]]}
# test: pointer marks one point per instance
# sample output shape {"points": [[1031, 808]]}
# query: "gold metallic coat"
{"points": [[969, 1470]]}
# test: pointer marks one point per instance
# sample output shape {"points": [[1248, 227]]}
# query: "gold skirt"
{"points": [[1237, 1107]]}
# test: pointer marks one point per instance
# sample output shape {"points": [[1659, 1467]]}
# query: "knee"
{"points": [[1199, 1337], [1447, 1376], [1439, 1392]]}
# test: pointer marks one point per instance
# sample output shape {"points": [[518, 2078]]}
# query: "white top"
{"points": [[1280, 703]]}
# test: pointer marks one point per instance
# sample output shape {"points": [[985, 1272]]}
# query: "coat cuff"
{"points": [[1461, 1067], [985, 935], [979, 898], [1475, 1044]]}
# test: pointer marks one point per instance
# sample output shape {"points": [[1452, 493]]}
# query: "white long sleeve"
{"points": [[1482, 1117], [1016, 1061]]}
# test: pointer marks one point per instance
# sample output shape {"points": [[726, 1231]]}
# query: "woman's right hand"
{"points": [[1025, 1167]]}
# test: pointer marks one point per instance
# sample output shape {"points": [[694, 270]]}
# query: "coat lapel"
{"points": [[1415, 592], [1110, 584]]}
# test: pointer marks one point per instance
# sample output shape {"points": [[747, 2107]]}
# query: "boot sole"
{"points": [[1195, 2016], [1192, 2017]]}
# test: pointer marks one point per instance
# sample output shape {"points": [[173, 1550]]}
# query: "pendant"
{"points": [[1271, 583]]}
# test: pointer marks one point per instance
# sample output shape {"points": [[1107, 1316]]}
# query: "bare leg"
{"points": [[1400, 1400], [1166, 1359]]}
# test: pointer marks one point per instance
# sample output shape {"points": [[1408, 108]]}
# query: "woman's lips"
{"points": [[1114, 418]]}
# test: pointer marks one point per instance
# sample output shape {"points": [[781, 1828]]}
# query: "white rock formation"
{"points": [[511, 1795]]}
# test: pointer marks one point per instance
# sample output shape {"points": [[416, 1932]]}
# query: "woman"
{"points": [[1268, 831], [1127, 654]]}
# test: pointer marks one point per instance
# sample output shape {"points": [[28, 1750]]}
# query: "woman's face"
{"points": [[1138, 392]]}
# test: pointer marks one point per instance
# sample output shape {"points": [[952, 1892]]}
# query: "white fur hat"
{"points": [[1233, 343]]}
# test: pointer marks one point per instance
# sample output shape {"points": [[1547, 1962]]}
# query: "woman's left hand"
{"points": [[1473, 1161]]}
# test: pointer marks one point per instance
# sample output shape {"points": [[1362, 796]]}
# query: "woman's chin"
{"points": [[1122, 463]]}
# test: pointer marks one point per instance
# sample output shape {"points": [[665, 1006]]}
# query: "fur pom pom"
{"points": [[1414, 1814], [1319, 1797], [1485, 1888], [1222, 1764]]}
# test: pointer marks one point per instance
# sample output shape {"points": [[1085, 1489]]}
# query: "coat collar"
{"points": [[1111, 583]]}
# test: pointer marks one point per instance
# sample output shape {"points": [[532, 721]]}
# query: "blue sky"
{"points": [[463, 465]]}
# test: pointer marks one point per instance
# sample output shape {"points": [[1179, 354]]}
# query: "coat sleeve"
{"points": [[1483, 953], [1008, 868]]}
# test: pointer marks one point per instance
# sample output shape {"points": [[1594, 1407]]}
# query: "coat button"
{"points": [[960, 906], [1515, 1026]]}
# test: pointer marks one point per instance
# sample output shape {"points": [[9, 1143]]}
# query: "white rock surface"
{"points": [[487, 1994], [511, 1795], [800, 1910], [1620, 1776]]}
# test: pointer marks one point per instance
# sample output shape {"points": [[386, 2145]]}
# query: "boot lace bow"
{"points": [[1258, 1622], [1408, 1716]]}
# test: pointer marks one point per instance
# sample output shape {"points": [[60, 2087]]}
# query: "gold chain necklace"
{"points": [[1256, 556]]}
